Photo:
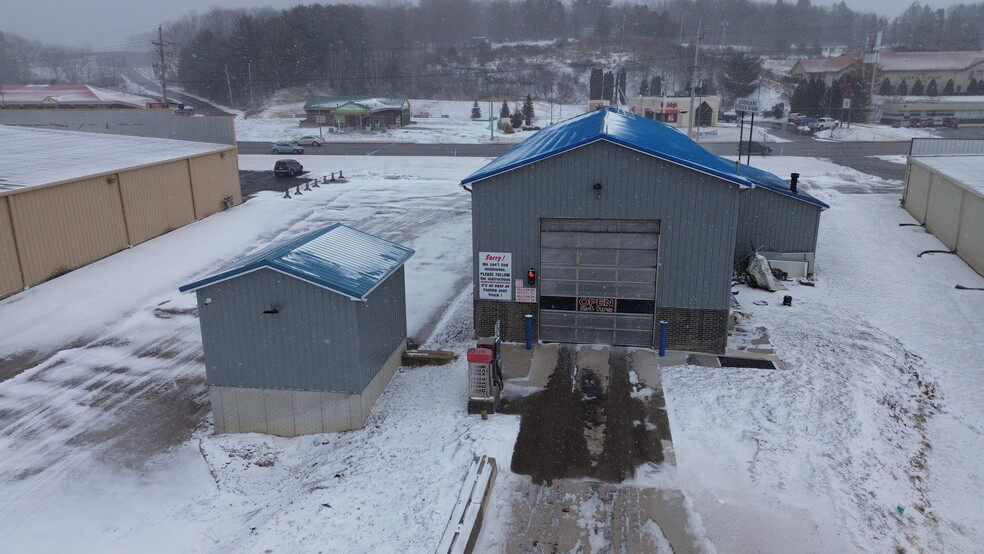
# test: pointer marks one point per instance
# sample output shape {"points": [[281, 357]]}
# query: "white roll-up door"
{"points": [[598, 281]]}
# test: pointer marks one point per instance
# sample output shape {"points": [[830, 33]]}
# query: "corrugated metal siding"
{"points": [[139, 123], [916, 195], [698, 214], [156, 199], [214, 177], [10, 271], [970, 244], [937, 146], [310, 344], [771, 222], [943, 210], [381, 325], [67, 226]]}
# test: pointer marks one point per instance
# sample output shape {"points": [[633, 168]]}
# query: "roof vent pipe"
{"points": [[793, 178]]}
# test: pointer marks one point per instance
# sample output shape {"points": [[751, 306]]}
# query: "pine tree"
{"points": [[931, 88], [644, 86], [504, 111], [886, 87], [528, 110], [903, 89], [948, 88], [917, 88], [516, 119], [656, 87], [476, 111]]}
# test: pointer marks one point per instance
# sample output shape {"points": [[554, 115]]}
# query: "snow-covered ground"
{"points": [[107, 438]]}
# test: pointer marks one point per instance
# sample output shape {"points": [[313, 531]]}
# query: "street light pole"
{"points": [[693, 78]]}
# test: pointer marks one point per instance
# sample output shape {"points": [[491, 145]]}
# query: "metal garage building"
{"points": [[302, 337], [624, 222], [68, 199], [946, 193]]}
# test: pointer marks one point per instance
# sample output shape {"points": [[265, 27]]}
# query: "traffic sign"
{"points": [[746, 105]]}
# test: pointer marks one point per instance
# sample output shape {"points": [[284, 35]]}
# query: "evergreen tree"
{"points": [[917, 89], [656, 86], [948, 88], [644, 86], [972, 86], [887, 88], [516, 119], [504, 111], [779, 110], [931, 88], [476, 111], [528, 110], [740, 73], [903, 89]]}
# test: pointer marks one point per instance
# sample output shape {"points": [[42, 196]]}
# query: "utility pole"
{"points": [[249, 69], [162, 66], [229, 84], [693, 79]]}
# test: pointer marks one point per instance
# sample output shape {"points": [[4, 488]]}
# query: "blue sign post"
{"points": [[663, 325]]}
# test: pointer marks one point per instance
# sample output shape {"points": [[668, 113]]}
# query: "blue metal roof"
{"points": [[638, 133], [773, 182], [338, 258]]}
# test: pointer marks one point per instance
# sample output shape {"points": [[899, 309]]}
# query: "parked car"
{"points": [[794, 117], [287, 168], [309, 140], [951, 122], [824, 123], [755, 147], [286, 148], [727, 117]]}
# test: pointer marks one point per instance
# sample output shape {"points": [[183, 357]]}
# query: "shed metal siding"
{"points": [[943, 210], [917, 187], [698, 215], [310, 344], [381, 325], [138, 123], [971, 240], [940, 146], [773, 222], [213, 178], [67, 226], [11, 279], [156, 199]]}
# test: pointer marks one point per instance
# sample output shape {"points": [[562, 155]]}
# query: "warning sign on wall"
{"points": [[525, 294], [495, 276]]}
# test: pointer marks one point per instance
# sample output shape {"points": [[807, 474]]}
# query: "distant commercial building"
{"points": [[68, 199], [302, 337], [356, 112], [672, 110], [604, 224]]}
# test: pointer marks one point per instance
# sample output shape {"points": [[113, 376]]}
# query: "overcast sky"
{"points": [[111, 24]]}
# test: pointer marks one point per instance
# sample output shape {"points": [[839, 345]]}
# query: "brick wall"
{"points": [[697, 330], [510, 314]]}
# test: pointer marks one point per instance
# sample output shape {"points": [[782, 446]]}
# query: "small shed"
{"points": [[946, 194], [604, 224], [302, 337]]}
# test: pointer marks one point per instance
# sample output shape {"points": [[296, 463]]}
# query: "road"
{"points": [[201, 107]]}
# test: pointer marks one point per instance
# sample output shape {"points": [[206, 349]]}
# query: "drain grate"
{"points": [[750, 363]]}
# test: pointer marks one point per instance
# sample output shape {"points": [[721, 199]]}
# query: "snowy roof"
{"points": [[70, 94], [338, 258], [899, 61], [965, 170], [368, 103], [35, 157], [638, 133]]}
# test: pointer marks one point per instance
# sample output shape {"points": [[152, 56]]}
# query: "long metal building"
{"points": [[68, 199], [302, 337], [606, 223]]}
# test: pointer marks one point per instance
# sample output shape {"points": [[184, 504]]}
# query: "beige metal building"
{"points": [[68, 199], [946, 193]]}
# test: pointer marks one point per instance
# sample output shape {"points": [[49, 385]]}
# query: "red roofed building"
{"points": [[39, 97], [899, 67]]}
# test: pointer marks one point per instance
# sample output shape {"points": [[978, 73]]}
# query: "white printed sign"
{"points": [[526, 294], [495, 275], [746, 105]]}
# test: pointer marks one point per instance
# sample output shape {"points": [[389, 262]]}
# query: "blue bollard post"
{"points": [[529, 331], [662, 337]]}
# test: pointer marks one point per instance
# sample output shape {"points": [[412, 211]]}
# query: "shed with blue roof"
{"points": [[622, 222], [302, 337]]}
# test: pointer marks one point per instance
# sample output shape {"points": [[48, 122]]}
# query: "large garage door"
{"points": [[598, 281]]}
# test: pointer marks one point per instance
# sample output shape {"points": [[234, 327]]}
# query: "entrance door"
{"points": [[598, 281]]}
